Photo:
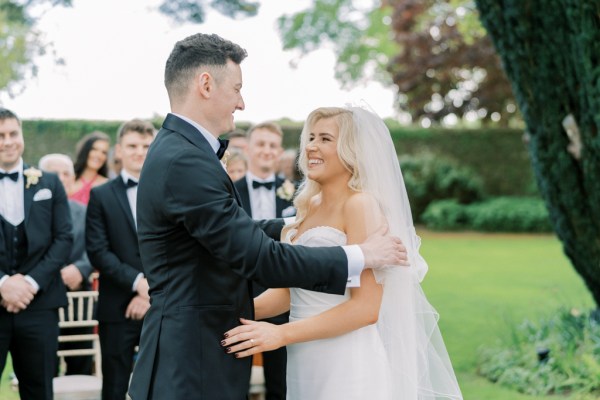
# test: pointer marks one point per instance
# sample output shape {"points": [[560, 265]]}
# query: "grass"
{"points": [[480, 284]]}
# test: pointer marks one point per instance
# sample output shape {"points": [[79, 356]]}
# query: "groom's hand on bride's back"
{"points": [[381, 249]]}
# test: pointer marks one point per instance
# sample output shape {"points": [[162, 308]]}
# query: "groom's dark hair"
{"points": [[194, 51]]}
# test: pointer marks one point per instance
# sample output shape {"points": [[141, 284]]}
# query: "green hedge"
{"points": [[430, 178], [501, 214], [498, 155]]}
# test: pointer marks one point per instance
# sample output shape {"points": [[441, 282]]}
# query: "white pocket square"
{"points": [[42, 194], [288, 212]]}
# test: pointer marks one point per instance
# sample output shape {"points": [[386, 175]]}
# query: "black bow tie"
{"points": [[13, 175], [267, 185], [131, 183], [223, 143]]}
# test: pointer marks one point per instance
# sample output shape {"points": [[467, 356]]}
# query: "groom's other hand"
{"points": [[381, 249]]}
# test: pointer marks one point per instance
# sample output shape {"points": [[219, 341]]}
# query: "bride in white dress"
{"points": [[378, 341]]}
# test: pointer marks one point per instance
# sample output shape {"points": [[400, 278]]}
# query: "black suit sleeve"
{"points": [[58, 252], [220, 225], [98, 244]]}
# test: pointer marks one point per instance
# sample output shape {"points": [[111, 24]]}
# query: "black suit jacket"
{"points": [[280, 204], [199, 250], [48, 231], [112, 247]]}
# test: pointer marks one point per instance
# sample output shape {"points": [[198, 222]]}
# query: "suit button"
{"points": [[13, 271], [16, 239]]}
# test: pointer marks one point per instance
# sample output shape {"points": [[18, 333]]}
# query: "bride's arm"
{"points": [[271, 303], [360, 310]]}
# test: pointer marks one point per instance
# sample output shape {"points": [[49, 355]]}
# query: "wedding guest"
{"points": [[287, 167], [237, 165], [77, 270], [262, 197], [112, 246], [237, 140], [91, 165], [35, 241]]}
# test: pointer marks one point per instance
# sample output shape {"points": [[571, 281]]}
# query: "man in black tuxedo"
{"points": [[35, 241], [77, 270], [201, 251], [113, 249], [264, 197]]}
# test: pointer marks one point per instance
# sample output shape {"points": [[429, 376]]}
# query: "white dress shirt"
{"points": [[262, 200], [131, 193], [12, 206], [356, 258]]}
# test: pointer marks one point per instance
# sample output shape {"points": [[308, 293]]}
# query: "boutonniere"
{"points": [[33, 176], [225, 157], [286, 190]]}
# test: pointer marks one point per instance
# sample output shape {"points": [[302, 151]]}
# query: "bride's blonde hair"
{"points": [[346, 149]]}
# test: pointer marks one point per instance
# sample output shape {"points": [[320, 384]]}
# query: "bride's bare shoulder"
{"points": [[360, 202], [362, 210]]}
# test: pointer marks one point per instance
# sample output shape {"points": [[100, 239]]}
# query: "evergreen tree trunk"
{"points": [[551, 53]]}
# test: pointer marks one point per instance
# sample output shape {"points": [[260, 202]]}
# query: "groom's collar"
{"points": [[214, 143]]}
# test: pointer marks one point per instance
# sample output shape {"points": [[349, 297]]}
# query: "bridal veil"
{"points": [[408, 324]]}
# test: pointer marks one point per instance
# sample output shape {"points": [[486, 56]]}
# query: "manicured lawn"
{"points": [[479, 283]]}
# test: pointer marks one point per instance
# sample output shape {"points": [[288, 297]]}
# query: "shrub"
{"points": [[553, 356], [500, 214], [429, 178]]}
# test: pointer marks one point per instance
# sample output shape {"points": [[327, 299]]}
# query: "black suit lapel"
{"points": [[27, 195], [244, 195], [120, 191], [280, 204], [176, 124]]}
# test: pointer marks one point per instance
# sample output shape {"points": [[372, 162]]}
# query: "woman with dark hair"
{"points": [[91, 165]]}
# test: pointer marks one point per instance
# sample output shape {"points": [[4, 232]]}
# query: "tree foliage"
{"points": [[20, 43], [435, 51], [194, 10], [551, 54]]}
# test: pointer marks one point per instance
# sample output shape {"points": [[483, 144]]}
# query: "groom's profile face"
{"points": [[226, 97], [11, 143]]}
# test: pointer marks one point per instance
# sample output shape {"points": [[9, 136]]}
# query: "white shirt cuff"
{"points": [[356, 264], [135, 282], [289, 220], [32, 282], [3, 279]]}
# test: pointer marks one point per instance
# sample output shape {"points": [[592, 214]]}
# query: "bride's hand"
{"points": [[252, 337]]}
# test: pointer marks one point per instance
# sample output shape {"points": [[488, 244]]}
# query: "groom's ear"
{"points": [[204, 84]]}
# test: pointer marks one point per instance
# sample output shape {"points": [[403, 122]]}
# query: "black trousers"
{"points": [[31, 337], [274, 367], [117, 343]]}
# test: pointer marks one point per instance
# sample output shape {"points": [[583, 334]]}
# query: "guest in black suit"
{"points": [[35, 240], [200, 250], [113, 249], [263, 197], [76, 273]]}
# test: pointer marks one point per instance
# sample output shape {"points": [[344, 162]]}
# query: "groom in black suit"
{"points": [[264, 196], [201, 251], [112, 247], [35, 241]]}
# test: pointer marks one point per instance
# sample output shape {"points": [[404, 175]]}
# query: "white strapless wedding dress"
{"points": [[346, 367]]}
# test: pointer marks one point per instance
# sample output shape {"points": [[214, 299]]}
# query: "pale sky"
{"points": [[115, 51]]}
